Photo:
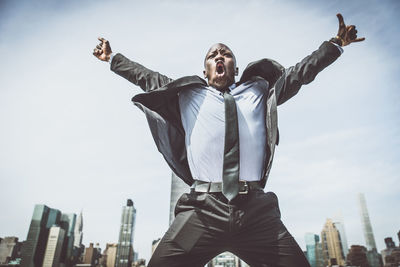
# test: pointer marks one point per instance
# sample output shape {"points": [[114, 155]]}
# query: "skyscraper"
{"points": [[54, 247], [125, 241], [366, 223], [78, 248], [178, 187], [67, 222], [314, 250], [78, 235], [338, 222], [374, 258], [34, 247], [331, 245]]}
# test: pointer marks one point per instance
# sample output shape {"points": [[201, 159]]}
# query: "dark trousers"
{"points": [[249, 227]]}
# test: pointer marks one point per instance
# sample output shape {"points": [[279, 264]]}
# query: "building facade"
{"points": [[109, 255], [314, 250], [391, 254], [374, 258], [54, 247], [125, 242], [339, 224], [357, 256], [226, 259], [366, 223], [48, 228], [9, 247], [78, 234], [92, 255], [332, 250], [78, 248], [34, 247]]}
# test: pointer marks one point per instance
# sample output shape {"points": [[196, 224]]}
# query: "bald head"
{"points": [[217, 46], [220, 66]]}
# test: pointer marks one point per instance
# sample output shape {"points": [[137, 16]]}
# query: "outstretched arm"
{"points": [[139, 75], [305, 71]]}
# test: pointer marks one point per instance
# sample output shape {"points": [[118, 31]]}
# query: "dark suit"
{"points": [[161, 107]]}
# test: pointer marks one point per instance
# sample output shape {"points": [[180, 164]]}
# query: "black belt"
{"points": [[215, 187]]}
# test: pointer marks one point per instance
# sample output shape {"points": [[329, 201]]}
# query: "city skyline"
{"points": [[128, 218], [72, 139]]}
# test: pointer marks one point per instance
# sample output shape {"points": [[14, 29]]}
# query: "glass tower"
{"points": [[78, 235], [338, 222], [42, 220], [311, 241], [68, 224], [314, 250], [125, 241], [366, 223]]}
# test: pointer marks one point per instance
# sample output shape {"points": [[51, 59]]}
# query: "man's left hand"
{"points": [[347, 34]]}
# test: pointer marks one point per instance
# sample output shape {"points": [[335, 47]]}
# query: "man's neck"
{"points": [[229, 87]]}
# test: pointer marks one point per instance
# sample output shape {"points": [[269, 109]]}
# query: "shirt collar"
{"points": [[231, 88]]}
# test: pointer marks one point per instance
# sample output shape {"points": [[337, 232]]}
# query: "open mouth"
{"points": [[220, 68]]}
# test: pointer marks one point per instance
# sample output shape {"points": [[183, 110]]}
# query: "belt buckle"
{"points": [[246, 188]]}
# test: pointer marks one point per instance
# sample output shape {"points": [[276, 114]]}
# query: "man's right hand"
{"points": [[103, 50]]}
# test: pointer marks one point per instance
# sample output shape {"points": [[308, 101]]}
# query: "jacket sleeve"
{"points": [[137, 74], [305, 71]]}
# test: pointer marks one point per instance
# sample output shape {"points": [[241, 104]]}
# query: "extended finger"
{"points": [[359, 39], [340, 18], [101, 39]]}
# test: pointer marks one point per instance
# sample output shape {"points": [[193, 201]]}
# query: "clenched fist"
{"points": [[103, 50]]}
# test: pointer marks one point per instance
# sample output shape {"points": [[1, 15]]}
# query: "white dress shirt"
{"points": [[203, 119]]}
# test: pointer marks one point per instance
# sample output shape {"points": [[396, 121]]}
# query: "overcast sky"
{"points": [[70, 137]]}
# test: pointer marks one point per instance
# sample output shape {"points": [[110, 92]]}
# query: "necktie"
{"points": [[230, 175]]}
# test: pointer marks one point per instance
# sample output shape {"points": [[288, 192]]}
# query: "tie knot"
{"points": [[226, 91]]}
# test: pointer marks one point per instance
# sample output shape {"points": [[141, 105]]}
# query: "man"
{"points": [[220, 138]]}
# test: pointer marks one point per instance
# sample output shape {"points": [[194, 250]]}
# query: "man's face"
{"points": [[220, 67]]}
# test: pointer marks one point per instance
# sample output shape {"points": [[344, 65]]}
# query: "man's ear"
{"points": [[205, 74], [236, 71]]}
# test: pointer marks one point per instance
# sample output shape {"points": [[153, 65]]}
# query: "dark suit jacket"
{"points": [[161, 106]]}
